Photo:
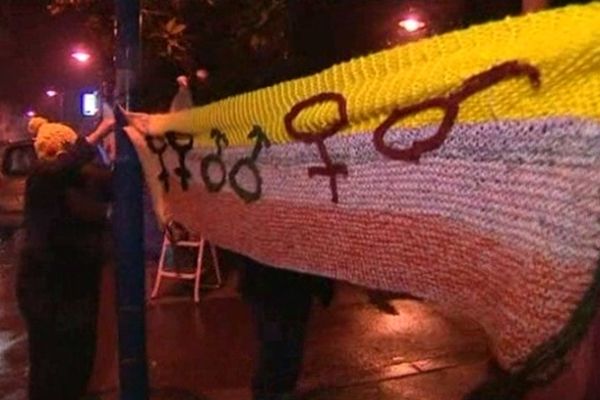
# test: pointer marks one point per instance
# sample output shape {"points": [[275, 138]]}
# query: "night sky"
{"points": [[34, 52], [35, 47]]}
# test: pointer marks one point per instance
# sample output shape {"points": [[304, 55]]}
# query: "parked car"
{"points": [[16, 162]]}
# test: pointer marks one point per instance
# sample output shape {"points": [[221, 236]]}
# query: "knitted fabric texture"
{"points": [[50, 137], [461, 168]]}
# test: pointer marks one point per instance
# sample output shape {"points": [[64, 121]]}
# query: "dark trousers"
{"points": [[61, 328], [60, 361], [281, 327], [281, 302]]}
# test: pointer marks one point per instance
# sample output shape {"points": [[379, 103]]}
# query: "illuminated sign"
{"points": [[90, 104]]}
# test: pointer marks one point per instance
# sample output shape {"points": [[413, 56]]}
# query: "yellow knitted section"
{"points": [[564, 44]]}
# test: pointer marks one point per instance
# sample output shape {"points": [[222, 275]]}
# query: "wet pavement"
{"points": [[354, 349], [13, 346]]}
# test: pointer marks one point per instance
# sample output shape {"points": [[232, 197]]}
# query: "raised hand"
{"points": [[137, 120]]}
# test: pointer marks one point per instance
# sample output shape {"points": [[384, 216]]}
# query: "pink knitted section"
{"points": [[520, 298]]}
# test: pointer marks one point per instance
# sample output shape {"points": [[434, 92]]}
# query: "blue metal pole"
{"points": [[128, 223]]}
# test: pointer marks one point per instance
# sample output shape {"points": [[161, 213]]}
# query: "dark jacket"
{"points": [[66, 233]]}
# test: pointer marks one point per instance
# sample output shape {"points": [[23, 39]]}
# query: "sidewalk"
{"points": [[354, 350]]}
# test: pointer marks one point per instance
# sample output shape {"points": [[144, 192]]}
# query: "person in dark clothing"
{"points": [[65, 244], [281, 302]]}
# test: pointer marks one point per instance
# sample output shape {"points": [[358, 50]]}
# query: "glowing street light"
{"points": [[411, 24], [58, 98], [30, 113], [81, 56]]}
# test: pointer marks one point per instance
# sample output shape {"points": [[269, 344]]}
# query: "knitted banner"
{"points": [[461, 168]]}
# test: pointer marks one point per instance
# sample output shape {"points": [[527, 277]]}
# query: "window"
{"points": [[19, 160]]}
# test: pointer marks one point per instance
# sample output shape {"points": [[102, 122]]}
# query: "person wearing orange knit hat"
{"points": [[51, 139], [66, 243]]}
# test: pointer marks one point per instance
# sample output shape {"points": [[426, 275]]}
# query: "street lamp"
{"points": [[60, 96], [81, 56], [411, 23]]}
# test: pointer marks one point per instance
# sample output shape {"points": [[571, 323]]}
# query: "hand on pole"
{"points": [[136, 120]]}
